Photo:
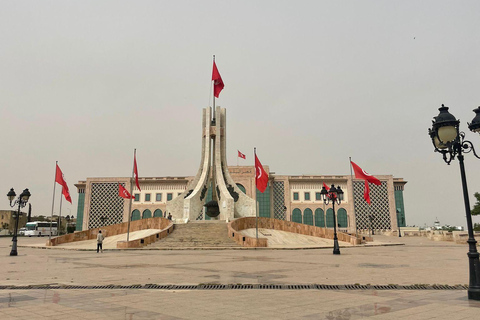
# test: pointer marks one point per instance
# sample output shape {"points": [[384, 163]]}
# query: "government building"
{"points": [[293, 198]]}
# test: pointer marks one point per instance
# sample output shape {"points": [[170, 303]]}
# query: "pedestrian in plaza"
{"points": [[100, 239], [169, 216]]}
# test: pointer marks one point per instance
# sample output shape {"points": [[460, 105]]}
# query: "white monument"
{"points": [[228, 201]]}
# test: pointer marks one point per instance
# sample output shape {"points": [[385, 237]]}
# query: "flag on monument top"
{"points": [[261, 176], [61, 181], [135, 171], [217, 81], [241, 155], [362, 174], [122, 192]]}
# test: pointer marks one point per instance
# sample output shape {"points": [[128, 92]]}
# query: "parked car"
{"points": [[21, 231]]}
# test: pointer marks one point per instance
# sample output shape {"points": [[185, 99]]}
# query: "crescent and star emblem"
{"points": [[260, 171]]}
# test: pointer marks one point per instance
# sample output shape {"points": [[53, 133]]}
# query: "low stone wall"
{"points": [[166, 227], [459, 237], [237, 225]]}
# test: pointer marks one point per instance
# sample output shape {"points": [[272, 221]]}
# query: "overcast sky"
{"points": [[309, 83]]}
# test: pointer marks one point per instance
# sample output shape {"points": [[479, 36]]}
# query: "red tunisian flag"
{"points": [[135, 171], [241, 155], [261, 176], [59, 179], [122, 192], [362, 174], [326, 187], [217, 81]]}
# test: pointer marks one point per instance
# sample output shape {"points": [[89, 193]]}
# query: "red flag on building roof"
{"points": [[135, 171], [241, 155], [217, 81], [61, 181], [122, 192], [261, 176], [362, 174]]}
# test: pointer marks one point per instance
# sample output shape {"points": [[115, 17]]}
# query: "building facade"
{"points": [[287, 197], [7, 220]]}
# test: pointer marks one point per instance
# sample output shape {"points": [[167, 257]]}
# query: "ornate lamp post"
{"points": [[22, 202], [333, 195], [399, 222], [451, 143]]}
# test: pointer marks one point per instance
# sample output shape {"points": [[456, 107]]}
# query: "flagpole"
{"points": [[353, 196], [256, 200], [53, 200], [59, 226], [131, 190], [213, 95]]}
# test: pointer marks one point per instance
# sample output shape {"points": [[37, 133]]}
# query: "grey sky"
{"points": [[309, 83]]}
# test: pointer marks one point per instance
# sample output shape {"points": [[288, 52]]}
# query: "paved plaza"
{"points": [[417, 261]]}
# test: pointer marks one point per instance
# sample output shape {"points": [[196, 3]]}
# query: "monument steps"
{"points": [[197, 234]]}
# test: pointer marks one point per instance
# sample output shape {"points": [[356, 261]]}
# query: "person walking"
{"points": [[100, 239]]}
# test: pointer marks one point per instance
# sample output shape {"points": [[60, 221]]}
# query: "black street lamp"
{"points": [[22, 202], [399, 222], [334, 195], [451, 143]]}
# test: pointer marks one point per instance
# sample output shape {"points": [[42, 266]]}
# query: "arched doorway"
{"points": [[297, 215], [146, 214], [158, 213], [135, 215], [319, 218], [308, 216], [342, 218], [330, 218]]}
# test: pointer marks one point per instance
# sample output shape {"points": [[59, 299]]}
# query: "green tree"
{"points": [[476, 207]]}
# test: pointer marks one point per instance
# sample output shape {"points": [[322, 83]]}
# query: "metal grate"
{"points": [[279, 200], [247, 287], [106, 207], [379, 208]]}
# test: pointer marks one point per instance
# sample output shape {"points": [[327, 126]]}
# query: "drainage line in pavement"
{"points": [[245, 287]]}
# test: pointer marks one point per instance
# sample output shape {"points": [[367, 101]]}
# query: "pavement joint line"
{"points": [[436, 287]]}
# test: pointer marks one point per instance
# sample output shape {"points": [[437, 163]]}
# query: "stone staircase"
{"points": [[197, 234]]}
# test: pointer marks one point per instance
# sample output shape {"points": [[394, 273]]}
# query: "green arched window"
{"points": [[135, 215], [330, 218], [297, 215], [319, 218], [241, 187], [308, 216], [146, 214], [158, 213], [342, 218]]}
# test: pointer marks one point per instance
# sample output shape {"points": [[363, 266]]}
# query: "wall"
{"points": [[166, 226], [236, 226]]}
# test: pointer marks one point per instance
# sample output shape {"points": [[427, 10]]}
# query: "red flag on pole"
{"points": [[261, 177], [362, 174], [217, 81], [241, 155], [135, 171], [59, 179], [326, 187], [122, 192], [366, 192]]}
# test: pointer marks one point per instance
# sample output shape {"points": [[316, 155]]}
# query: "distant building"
{"points": [[7, 220]]}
